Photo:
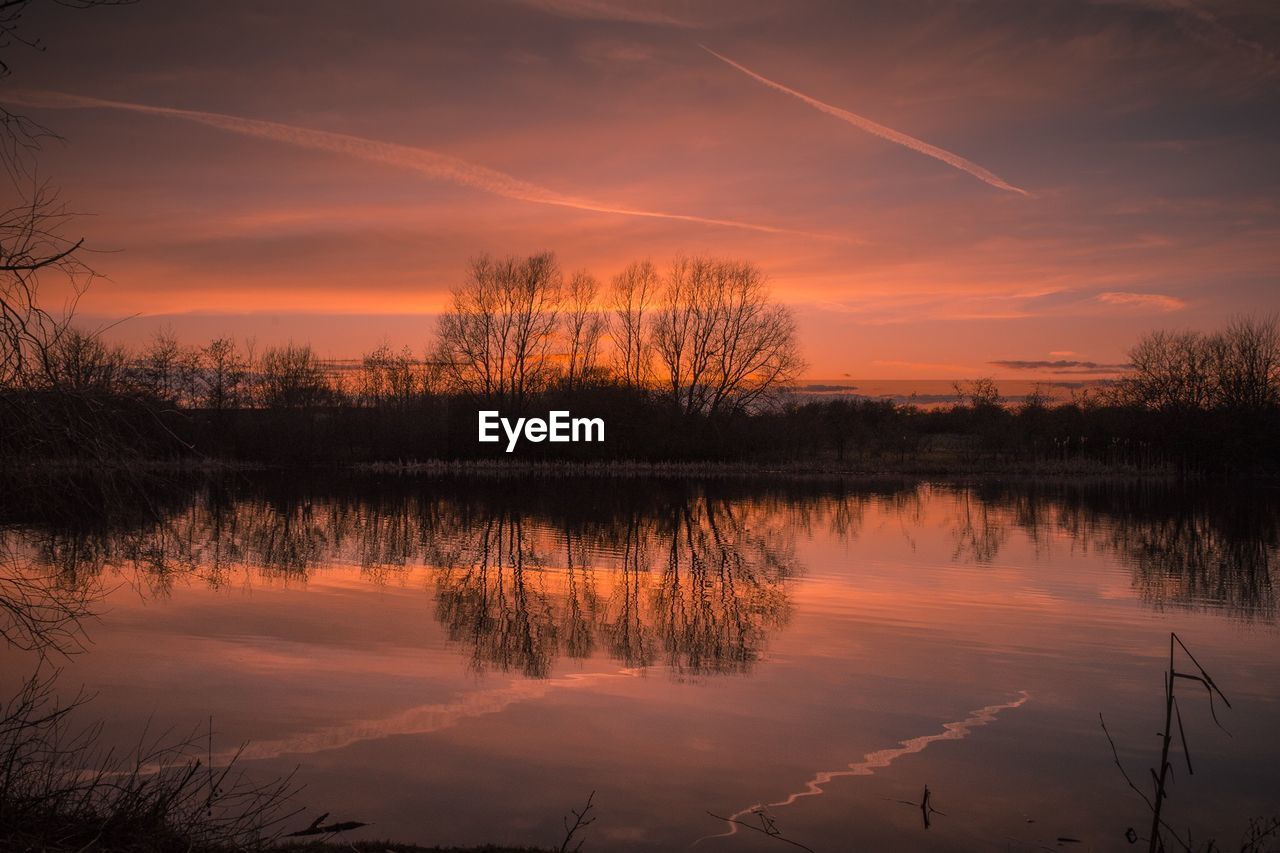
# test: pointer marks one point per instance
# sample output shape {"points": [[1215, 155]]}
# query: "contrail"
{"points": [[433, 164], [879, 129], [882, 758]]}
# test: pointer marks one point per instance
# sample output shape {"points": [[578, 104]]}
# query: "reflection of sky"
{"points": [[920, 611], [1145, 130]]}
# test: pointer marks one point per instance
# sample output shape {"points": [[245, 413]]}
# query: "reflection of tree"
{"points": [[39, 610], [286, 540], [582, 603], [708, 608], [629, 637], [980, 529], [720, 591], [1221, 556], [689, 576], [488, 597], [1185, 547], [55, 545]]}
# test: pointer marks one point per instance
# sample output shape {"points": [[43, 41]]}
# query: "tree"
{"points": [[291, 377], [978, 394], [1236, 369], [583, 328], [40, 351], [11, 32], [32, 249], [1245, 363], [32, 243], [389, 377], [633, 292], [224, 374], [79, 363], [168, 371], [1169, 371], [495, 340], [720, 340]]}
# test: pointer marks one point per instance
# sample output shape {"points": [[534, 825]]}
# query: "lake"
{"points": [[464, 660]]}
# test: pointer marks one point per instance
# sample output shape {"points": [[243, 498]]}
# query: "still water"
{"points": [[458, 661]]}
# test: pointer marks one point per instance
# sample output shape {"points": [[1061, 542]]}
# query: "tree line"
{"points": [[706, 333], [690, 361]]}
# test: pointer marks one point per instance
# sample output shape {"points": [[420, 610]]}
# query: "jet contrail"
{"points": [[422, 160], [879, 129]]}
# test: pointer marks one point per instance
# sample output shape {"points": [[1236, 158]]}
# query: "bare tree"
{"points": [[32, 249], [981, 393], [495, 340], [1236, 369], [81, 363], [1170, 371], [40, 352], [1245, 361], [633, 292], [291, 377], [224, 373], [583, 328], [11, 17], [390, 378], [721, 341], [169, 371], [32, 243]]}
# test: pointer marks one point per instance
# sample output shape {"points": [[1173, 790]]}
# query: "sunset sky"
{"points": [[939, 189]]}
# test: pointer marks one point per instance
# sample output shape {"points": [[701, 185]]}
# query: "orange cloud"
{"points": [[1158, 301]]}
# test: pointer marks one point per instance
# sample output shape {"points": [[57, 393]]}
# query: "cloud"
{"points": [[1152, 300], [880, 130], [819, 388], [1059, 365], [706, 14], [598, 10], [424, 161], [1210, 28]]}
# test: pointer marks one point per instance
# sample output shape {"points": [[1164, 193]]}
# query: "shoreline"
{"points": [[919, 469]]}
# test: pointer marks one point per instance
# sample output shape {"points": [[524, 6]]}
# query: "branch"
{"points": [[769, 828]]}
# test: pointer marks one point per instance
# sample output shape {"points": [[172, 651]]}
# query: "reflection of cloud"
{"points": [[882, 758], [415, 721], [421, 160], [1153, 300], [880, 130]]}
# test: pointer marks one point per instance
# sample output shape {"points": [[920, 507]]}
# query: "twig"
{"points": [[767, 827], [580, 822]]}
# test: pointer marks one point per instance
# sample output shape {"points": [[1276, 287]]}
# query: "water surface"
{"points": [[461, 661]]}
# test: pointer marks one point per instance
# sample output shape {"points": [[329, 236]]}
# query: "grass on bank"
{"points": [[61, 793]]}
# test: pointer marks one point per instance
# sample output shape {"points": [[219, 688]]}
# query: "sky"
{"points": [[1016, 189]]}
